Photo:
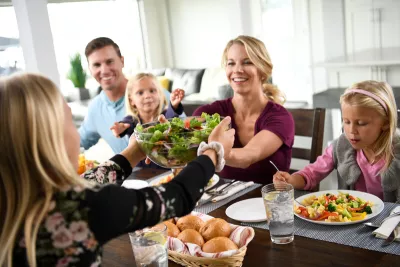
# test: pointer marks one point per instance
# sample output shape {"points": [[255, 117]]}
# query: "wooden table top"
{"points": [[261, 251]]}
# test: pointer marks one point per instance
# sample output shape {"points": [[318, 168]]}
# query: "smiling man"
{"points": [[105, 64]]}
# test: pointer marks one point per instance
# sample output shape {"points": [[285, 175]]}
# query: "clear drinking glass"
{"points": [[150, 246], [278, 202]]}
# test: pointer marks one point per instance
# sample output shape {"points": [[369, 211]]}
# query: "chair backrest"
{"points": [[309, 123]]}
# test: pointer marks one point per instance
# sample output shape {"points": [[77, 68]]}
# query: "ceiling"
{"points": [[9, 2]]}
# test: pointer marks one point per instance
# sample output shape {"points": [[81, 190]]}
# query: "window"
{"points": [[285, 36], [74, 24], [11, 57]]}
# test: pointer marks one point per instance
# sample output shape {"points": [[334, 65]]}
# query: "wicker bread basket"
{"points": [[188, 260], [187, 254]]}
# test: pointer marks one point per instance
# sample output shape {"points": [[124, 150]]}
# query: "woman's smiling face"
{"points": [[242, 74]]}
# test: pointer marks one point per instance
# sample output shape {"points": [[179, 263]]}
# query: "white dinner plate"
{"points": [[135, 184], [213, 181], [376, 208], [249, 210]]}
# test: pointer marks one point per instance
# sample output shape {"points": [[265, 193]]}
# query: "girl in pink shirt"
{"points": [[367, 155]]}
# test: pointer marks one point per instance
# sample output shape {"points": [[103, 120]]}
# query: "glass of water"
{"points": [[150, 246], [278, 202]]}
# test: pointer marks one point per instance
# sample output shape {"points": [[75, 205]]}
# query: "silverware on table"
{"points": [[220, 192], [390, 239], [214, 190], [377, 225]]}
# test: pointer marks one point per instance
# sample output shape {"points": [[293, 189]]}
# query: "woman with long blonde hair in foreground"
{"points": [[52, 217]]}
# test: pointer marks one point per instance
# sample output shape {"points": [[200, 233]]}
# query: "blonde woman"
{"points": [[264, 128], [49, 215], [367, 155]]}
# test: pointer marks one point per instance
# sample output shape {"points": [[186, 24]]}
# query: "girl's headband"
{"points": [[364, 92]]}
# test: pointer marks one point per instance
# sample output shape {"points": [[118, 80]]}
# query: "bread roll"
{"points": [[172, 229], [171, 221], [219, 244], [190, 222], [191, 236], [215, 228]]}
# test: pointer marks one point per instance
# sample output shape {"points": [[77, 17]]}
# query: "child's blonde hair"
{"points": [[259, 56], [133, 111], [34, 163], [383, 146]]}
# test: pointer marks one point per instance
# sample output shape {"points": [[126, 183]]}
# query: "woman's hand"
{"points": [[133, 153], [222, 135], [118, 128], [161, 119], [176, 97]]}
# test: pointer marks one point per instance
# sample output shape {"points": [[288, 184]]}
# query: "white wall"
{"points": [[198, 29]]}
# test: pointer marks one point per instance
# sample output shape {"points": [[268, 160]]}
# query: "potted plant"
{"points": [[77, 75]]}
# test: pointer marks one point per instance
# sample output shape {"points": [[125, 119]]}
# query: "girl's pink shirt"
{"points": [[369, 180]]}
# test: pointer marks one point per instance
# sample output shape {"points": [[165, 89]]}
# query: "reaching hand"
{"points": [[132, 152], [161, 119], [281, 177], [222, 135], [118, 128], [176, 97]]}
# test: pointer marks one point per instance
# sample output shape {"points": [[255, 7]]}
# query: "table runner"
{"points": [[210, 206], [355, 235]]}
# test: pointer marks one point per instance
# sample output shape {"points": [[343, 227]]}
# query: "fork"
{"points": [[214, 190], [224, 190]]}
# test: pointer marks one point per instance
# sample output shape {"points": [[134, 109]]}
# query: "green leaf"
{"points": [[76, 73]]}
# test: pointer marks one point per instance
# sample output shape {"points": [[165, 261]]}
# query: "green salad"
{"points": [[174, 143]]}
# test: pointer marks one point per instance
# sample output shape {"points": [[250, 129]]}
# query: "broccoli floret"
{"points": [[331, 207], [368, 209], [339, 201]]}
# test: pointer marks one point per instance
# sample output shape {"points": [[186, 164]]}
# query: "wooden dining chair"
{"points": [[308, 123]]}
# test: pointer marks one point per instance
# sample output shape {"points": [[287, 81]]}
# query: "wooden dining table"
{"points": [[261, 251]]}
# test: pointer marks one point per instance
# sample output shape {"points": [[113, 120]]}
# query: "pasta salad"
{"points": [[342, 207]]}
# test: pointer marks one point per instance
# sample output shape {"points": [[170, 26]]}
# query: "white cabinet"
{"points": [[372, 24], [371, 43]]}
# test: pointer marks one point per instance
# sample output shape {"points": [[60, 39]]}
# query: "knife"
{"points": [[390, 239]]}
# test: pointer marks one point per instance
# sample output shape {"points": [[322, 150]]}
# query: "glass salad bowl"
{"points": [[174, 143]]}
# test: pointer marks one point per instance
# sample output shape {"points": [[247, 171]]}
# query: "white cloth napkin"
{"points": [[233, 190], [388, 226]]}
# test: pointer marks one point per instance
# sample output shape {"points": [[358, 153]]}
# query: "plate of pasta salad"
{"points": [[338, 207]]}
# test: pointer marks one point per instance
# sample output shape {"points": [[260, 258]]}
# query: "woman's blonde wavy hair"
{"points": [[259, 56], [383, 146], [132, 110], [34, 163]]}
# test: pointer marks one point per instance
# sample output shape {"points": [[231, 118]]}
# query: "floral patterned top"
{"points": [[81, 220]]}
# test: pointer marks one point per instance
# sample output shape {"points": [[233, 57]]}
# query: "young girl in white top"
{"points": [[367, 155]]}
